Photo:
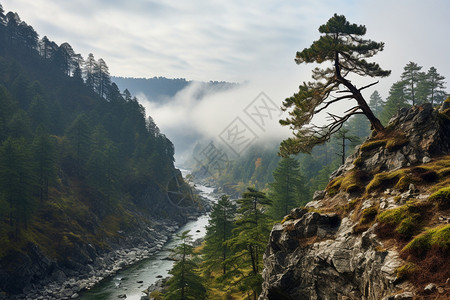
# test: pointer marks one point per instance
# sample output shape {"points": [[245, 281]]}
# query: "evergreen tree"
{"points": [[46, 48], [185, 283], [78, 135], [103, 77], [90, 74], [218, 232], [395, 101], [342, 137], [2, 16], [411, 76], [342, 45], [249, 242], [44, 157], [17, 181], [359, 126], [103, 165], [376, 103], [287, 190], [431, 87]]}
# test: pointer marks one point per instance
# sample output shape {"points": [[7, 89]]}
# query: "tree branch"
{"points": [[369, 85]]}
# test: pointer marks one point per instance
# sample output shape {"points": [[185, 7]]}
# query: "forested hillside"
{"points": [[80, 163]]}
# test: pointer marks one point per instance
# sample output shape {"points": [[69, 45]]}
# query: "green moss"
{"points": [[441, 198], [396, 142], [373, 145], [351, 182], [435, 237], [358, 162], [403, 182], [334, 186], [286, 218], [444, 172], [407, 219], [369, 214], [406, 271], [384, 178], [445, 113]]}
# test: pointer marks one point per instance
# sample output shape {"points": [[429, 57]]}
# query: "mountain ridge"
{"points": [[379, 229]]}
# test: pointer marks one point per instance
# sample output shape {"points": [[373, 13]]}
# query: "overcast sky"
{"points": [[236, 41], [233, 40]]}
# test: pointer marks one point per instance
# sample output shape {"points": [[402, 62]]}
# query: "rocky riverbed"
{"points": [[66, 283]]}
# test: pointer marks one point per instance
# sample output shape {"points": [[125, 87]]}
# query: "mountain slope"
{"points": [[381, 226], [83, 172]]}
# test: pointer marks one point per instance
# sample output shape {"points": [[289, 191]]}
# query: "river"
{"points": [[132, 280]]}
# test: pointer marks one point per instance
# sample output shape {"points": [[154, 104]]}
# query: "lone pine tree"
{"points": [[343, 46]]}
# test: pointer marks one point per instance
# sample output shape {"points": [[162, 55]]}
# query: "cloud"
{"points": [[186, 119], [234, 41]]}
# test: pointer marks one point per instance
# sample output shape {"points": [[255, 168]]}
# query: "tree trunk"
{"points": [[376, 124]]}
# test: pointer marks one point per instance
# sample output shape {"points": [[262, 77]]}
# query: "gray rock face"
{"points": [[426, 133], [319, 256], [335, 264], [338, 263]]}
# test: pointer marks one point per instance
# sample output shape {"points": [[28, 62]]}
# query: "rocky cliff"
{"points": [[31, 273], [380, 229]]}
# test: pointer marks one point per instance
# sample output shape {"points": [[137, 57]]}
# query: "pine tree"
{"points": [[78, 135], [359, 126], [286, 190], [376, 103], [103, 164], [44, 156], [431, 87], [411, 76], [17, 181], [395, 101], [249, 242], [185, 283], [342, 137], [103, 77], [89, 70], [342, 45], [218, 232]]}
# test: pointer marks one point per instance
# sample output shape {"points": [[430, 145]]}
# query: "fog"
{"points": [[247, 110]]}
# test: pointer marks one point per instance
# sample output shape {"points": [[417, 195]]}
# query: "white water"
{"points": [[125, 282]]}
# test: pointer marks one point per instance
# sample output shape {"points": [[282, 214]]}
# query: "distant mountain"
{"points": [[161, 89]]}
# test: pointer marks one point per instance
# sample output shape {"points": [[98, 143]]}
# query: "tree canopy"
{"points": [[342, 45]]}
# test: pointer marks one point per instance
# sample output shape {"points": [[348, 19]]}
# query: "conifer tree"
{"points": [[44, 157], [185, 283], [90, 74], [78, 134], [17, 181], [249, 242], [343, 46], [395, 101], [376, 103], [342, 137], [218, 232], [103, 77], [411, 76], [430, 87], [286, 190]]}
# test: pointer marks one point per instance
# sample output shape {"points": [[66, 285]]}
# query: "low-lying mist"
{"points": [[234, 118]]}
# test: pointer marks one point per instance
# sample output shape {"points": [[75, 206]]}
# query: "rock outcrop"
{"points": [[331, 248], [30, 274]]}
